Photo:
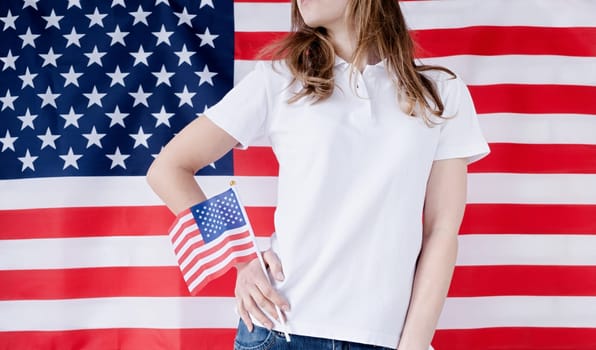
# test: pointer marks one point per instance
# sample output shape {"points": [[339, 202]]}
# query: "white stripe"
{"points": [[518, 311], [275, 17], [539, 129], [200, 312], [199, 279], [120, 191], [262, 191], [98, 313], [532, 189], [481, 249], [520, 249], [64, 253], [210, 257], [501, 69], [520, 69]]}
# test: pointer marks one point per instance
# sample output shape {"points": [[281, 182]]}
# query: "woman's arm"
{"points": [[171, 175], [443, 212]]}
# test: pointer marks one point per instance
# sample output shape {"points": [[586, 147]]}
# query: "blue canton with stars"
{"points": [[218, 215], [97, 88]]}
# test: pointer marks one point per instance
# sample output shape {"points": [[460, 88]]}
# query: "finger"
{"points": [[274, 264], [244, 316], [256, 312], [271, 297]]}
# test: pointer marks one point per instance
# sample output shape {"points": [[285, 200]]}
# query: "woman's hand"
{"points": [[254, 293]]}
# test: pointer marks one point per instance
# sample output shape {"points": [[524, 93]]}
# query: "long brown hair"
{"points": [[381, 33]]}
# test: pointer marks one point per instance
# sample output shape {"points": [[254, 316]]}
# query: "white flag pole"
{"points": [[261, 261]]}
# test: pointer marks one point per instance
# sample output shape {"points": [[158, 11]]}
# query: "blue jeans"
{"points": [[263, 339]]}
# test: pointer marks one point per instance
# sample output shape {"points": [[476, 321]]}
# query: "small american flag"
{"points": [[210, 237]]}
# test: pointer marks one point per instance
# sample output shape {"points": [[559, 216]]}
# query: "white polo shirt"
{"points": [[352, 179]]}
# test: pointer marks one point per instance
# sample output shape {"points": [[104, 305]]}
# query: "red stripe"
{"points": [[529, 219], [468, 281], [526, 338], [480, 40], [497, 40], [538, 159], [121, 339], [534, 99], [474, 281], [98, 282], [479, 218], [516, 338], [107, 221], [504, 157], [255, 161]]}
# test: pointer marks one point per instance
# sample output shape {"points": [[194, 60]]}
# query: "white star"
{"points": [[94, 97], [205, 76], [72, 3], [32, 3], [118, 36], [28, 38], [185, 97], [8, 101], [163, 117], [154, 155], [27, 78], [140, 56], [163, 76], [48, 140], [94, 138], [28, 160], [71, 118], [157, 2], [207, 38], [71, 77], [52, 20], [27, 120], [117, 117], [70, 159], [118, 2], [73, 38], [140, 138], [140, 16], [96, 18], [9, 21], [50, 58], [117, 77], [117, 159], [184, 56], [8, 141], [9, 61], [184, 17], [95, 57], [48, 98], [140, 97], [163, 36], [206, 3]]}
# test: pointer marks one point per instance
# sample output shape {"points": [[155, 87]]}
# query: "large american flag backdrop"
{"points": [[91, 90]]}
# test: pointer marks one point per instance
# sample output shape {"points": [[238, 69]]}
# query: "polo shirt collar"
{"points": [[340, 62]]}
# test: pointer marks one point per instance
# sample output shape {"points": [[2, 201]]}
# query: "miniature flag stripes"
{"points": [[210, 237]]}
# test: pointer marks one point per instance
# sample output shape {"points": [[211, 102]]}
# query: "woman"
{"points": [[367, 142]]}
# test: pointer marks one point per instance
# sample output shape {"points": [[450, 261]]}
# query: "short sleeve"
{"points": [[242, 112], [460, 136]]}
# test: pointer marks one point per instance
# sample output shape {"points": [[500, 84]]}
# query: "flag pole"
{"points": [[261, 261]]}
